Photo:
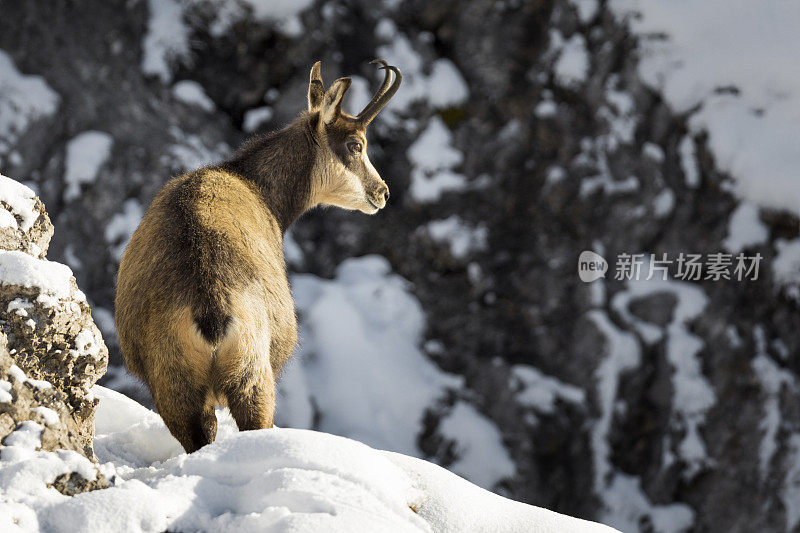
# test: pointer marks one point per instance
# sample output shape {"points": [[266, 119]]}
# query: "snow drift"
{"points": [[267, 480]]}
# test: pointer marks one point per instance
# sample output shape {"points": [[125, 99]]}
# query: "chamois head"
{"points": [[347, 179]]}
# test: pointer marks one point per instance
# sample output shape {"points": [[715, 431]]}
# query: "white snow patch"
{"points": [[433, 158], [664, 203], [461, 239], [541, 392], [254, 118], [692, 393], [5, 391], [745, 229], [688, 156], [750, 112], [572, 65], [786, 266], [587, 9], [20, 199], [361, 340], [23, 100], [192, 93], [190, 152], [481, 456], [120, 228], [282, 13], [51, 418], [624, 502], [28, 435], [453, 505], [86, 153], [166, 40], [444, 87], [19, 268], [772, 380], [7, 220]]}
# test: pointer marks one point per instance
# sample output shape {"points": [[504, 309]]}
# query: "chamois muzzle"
{"points": [[379, 196], [383, 95]]}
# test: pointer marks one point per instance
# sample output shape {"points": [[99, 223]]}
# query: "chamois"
{"points": [[203, 308]]}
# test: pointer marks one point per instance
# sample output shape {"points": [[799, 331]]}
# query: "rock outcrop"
{"points": [[51, 352]]}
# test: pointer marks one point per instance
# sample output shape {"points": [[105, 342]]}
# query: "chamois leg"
{"points": [[180, 386], [182, 404], [251, 399], [244, 377]]}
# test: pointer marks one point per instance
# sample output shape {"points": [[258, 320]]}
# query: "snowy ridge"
{"points": [[268, 480]]}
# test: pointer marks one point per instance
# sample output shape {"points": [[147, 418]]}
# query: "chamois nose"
{"points": [[381, 195]]}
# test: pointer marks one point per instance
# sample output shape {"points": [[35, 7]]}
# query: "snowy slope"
{"points": [[732, 66], [269, 480]]}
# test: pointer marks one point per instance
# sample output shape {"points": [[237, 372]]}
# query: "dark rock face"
{"points": [[689, 419]]}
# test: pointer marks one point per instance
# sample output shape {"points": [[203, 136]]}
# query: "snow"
{"points": [[786, 265], [481, 455], [443, 87], [166, 40], [50, 417], [86, 153], [664, 203], [624, 503], [27, 435], [462, 240], [254, 118], [433, 159], [283, 13], [688, 157], [86, 344], [268, 480], [190, 152], [453, 505], [18, 268], [587, 9], [541, 392], [692, 394], [753, 125], [192, 93], [360, 341], [5, 391], [772, 380], [120, 228], [545, 109], [21, 201], [745, 229], [23, 101], [572, 65]]}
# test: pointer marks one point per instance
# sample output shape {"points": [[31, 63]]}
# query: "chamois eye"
{"points": [[354, 147]]}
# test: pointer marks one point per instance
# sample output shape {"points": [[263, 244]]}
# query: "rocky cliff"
{"points": [[523, 135], [51, 352]]}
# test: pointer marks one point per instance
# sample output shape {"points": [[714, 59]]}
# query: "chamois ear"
{"points": [[316, 89], [332, 101]]}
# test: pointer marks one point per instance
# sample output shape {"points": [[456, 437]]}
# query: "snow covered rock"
{"points": [[51, 352], [24, 224]]}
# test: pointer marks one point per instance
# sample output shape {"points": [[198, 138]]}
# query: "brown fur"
{"points": [[203, 308]]}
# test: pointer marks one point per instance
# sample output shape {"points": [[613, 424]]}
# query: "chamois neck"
{"points": [[280, 165]]}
